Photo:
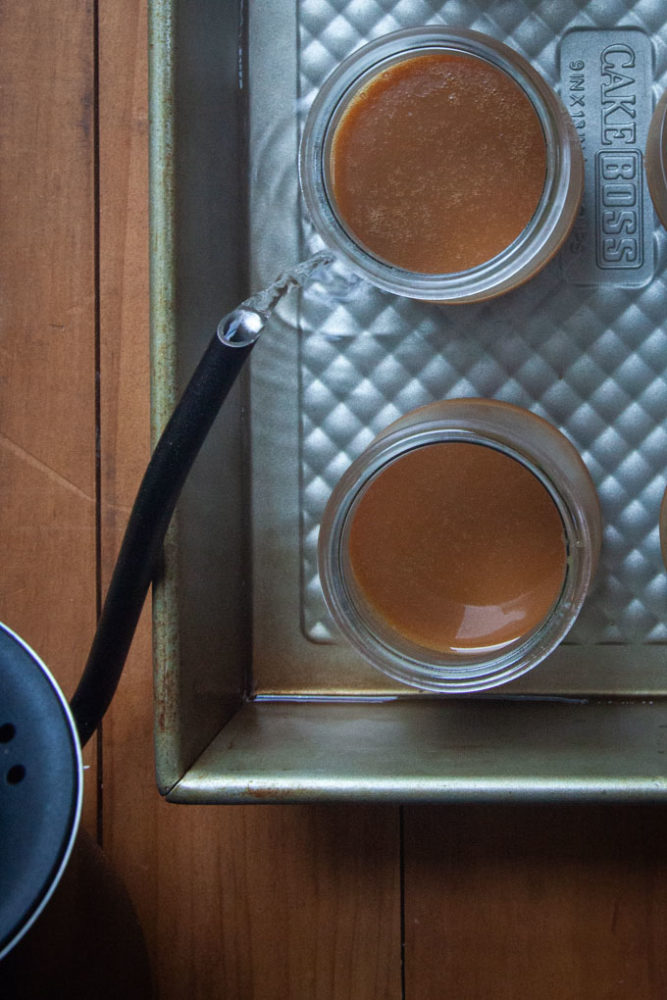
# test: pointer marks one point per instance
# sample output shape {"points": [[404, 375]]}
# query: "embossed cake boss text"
{"points": [[618, 171]]}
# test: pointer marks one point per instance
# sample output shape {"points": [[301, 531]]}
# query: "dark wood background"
{"points": [[247, 903]]}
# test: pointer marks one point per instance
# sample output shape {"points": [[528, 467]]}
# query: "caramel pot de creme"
{"points": [[441, 165], [438, 163], [456, 552]]}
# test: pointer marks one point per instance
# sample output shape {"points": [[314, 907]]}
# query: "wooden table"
{"points": [[363, 902]]}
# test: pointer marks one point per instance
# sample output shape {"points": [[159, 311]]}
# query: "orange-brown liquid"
{"points": [[458, 547], [439, 163]]}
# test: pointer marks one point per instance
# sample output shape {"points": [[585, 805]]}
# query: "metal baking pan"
{"points": [[256, 697]]}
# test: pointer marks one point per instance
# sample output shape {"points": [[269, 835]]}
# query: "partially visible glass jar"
{"points": [[535, 245], [656, 159], [502, 430]]}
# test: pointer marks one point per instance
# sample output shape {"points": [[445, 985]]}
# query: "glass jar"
{"points": [[545, 453], [656, 159], [534, 246]]}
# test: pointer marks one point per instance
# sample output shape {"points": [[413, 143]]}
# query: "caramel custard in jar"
{"points": [[440, 165], [456, 552], [479, 561]]}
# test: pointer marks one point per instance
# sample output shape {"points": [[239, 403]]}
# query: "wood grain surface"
{"points": [[246, 903], [541, 902], [48, 337]]}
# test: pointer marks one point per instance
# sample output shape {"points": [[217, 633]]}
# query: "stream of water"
{"points": [[244, 325]]}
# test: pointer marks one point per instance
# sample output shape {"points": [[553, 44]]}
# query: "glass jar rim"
{"points": [[544, 233]]}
